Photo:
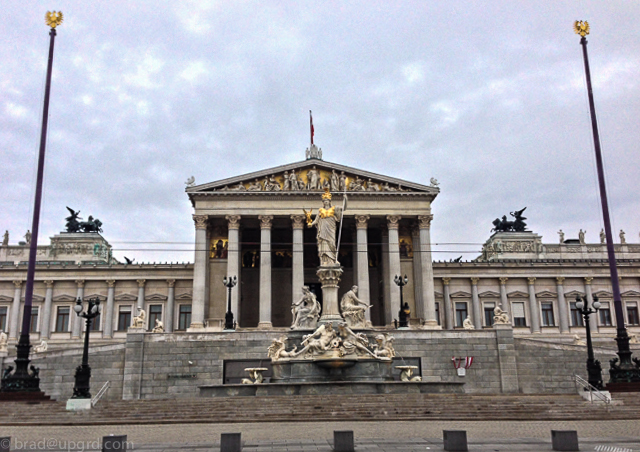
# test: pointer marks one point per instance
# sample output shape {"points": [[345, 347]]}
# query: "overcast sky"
{"points": [[487, 97]]}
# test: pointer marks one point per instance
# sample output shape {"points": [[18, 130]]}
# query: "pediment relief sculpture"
{"points": [[313, 179]]}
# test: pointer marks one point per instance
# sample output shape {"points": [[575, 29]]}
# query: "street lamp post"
{"points": [[22, 384], [594, 370], [230, 282], [83, 371], [625, 371], [403, 315]]}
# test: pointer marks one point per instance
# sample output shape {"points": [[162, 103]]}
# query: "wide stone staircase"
{"points": [[326, 408]]}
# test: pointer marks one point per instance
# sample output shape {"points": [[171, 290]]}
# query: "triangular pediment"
{"points": [[631, 293], [36, 298], [489, 294], [460, 294], [309, 176], [573, 294], [100, 297], [603, 294], [126, 297], [518, 294], [155, 297], [64, 298], [546, 294], [5, 299], [184, 296]]}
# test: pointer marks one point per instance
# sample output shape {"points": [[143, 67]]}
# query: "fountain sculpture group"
{"points": [[332, 351]]}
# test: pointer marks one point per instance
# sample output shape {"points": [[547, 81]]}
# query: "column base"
{"points": [[265, 325], [431, 325], [195, 326]]}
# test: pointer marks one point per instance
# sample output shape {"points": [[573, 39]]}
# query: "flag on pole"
{"points": [[311, 124]]}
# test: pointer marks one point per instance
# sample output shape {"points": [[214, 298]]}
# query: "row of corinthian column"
{"points": [[534, 307], [425, 298], [107, 309]]}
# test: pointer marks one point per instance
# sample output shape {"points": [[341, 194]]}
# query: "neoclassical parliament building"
{"points": [[254, 227]]}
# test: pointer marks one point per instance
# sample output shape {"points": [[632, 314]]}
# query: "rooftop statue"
{"points": [[73, 225], [504, 225]]}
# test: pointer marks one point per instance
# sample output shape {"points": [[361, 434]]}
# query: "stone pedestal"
{"points": [[329, 278]]}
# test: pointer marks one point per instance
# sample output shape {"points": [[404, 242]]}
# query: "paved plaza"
{"points": [[401, 436]]}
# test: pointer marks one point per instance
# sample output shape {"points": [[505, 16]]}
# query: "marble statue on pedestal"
{"points": [[306, 311], [353, 309], [561, 234], [623, 240], [5, 238], [42, 347], [3, 341], [500, 317], [326, 222], [139, 320], [467, 324], [581, 237], [159, 328]]}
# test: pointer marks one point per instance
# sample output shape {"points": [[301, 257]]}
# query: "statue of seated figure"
{"points": [[305, 311], [353, 309], [139, 320], [500, 317]]}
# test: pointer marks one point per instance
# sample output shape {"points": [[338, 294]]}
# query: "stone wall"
{"points": [[548, 367], [174, 365]]}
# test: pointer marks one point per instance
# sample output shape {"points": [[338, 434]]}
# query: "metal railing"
{"points": [[100, 393], [582, 384]]}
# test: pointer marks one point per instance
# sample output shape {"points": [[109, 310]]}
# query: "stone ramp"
{"points": [[326, 408]]}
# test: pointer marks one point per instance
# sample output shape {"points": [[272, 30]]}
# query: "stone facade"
{"points": [[253, 227]]}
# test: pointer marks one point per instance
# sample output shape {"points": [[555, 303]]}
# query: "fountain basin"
{"points": [[348, 369]]}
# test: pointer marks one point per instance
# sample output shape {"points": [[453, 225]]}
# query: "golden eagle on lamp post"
{"points": [[53, 19], [581, 27]]}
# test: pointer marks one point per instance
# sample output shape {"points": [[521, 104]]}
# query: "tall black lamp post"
{"points": [[403, 315], [229, 324], [83, 371], [625, 371], [22, 384], [594, 370]]}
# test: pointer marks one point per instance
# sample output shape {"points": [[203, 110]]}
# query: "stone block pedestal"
{"points": [[78, 404]]}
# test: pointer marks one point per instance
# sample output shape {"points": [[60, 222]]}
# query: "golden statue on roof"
{"points": [[581, 27]]}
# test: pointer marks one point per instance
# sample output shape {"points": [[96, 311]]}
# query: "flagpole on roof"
{"points": [[311, 126]]}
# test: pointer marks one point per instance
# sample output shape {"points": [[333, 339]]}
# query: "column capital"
{"points": [[474, 281], [297, 221], [424, 221], [531, 280], [48, 284], [80, 283], [265, 221], [503, 280], [446, 281], [18, 284], [200, 221], [393, 221], [171, 282], [141, 282], [560, 280], [234, 221], [111, 282], [587, 280], [362, 221]]}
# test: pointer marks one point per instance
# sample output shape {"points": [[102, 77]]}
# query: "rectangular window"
{"points": [[438, 312], [605, 314], [576, 317], [184, 318], [461, 313], [124, 318], [488, 313], [62, 319], [519, 318], [632, 313], [33, 328], [155, 312], [95, 323], [547, 314], [3, 318]]}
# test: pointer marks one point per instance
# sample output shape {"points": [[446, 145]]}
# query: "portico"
{"points": [[253, 227]]}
